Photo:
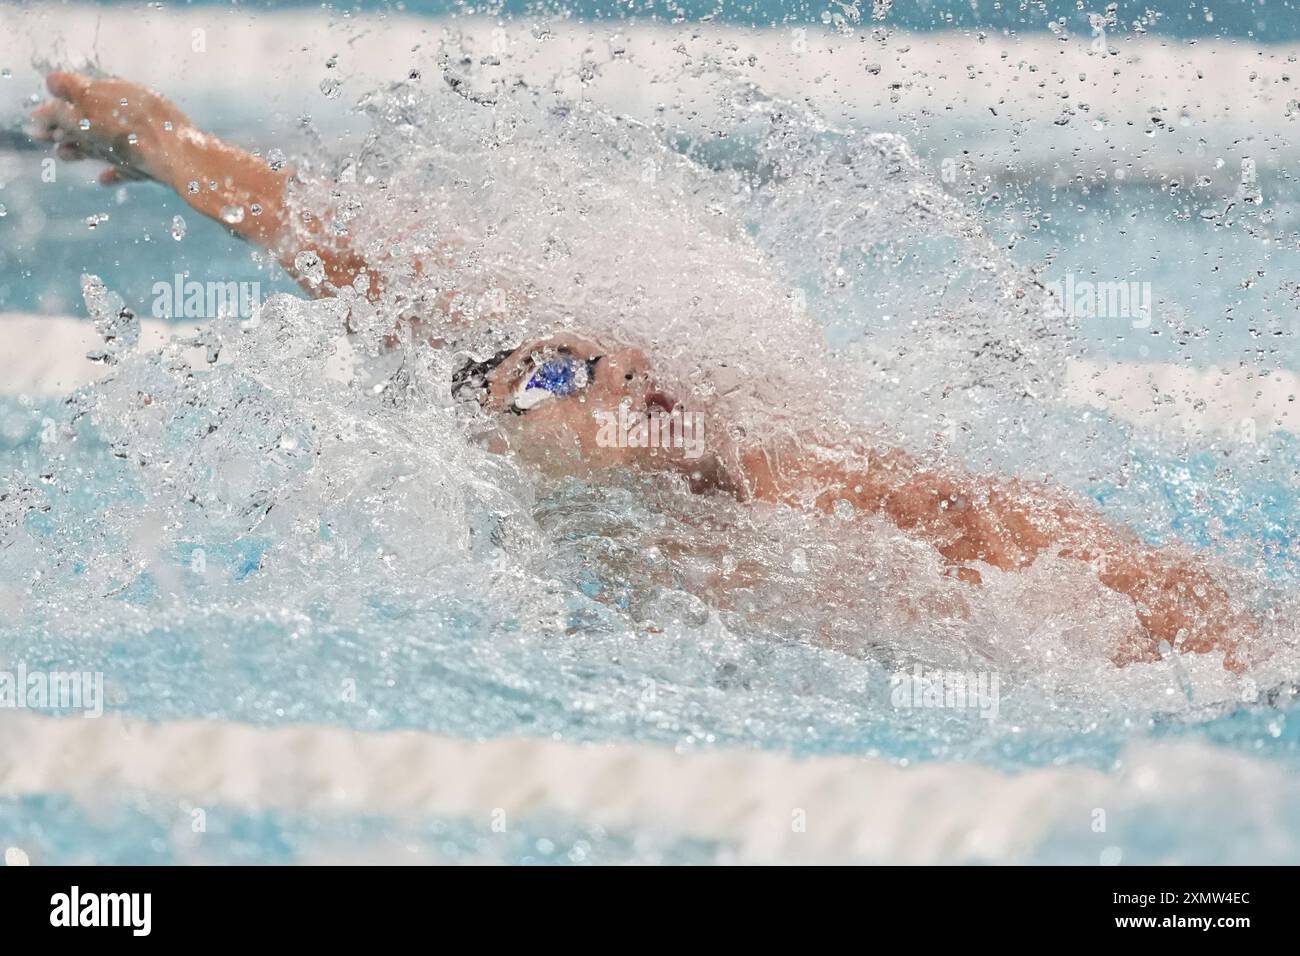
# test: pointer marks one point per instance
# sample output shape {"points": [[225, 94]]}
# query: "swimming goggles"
{"points": [[554, 373]]}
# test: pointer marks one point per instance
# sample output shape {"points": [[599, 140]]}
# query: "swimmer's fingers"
{"points": [[117, 175], [57, 118], [58, 122], [70, 87], [82, 111], [53, 121]]}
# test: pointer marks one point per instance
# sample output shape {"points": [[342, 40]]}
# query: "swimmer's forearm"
{"points": [[1003, 523], [248, 197], [141, 134], [965, 518], [1008, 524], [225, 183]]}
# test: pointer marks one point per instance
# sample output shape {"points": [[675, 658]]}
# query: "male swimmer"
{"points": [[552, 394]]}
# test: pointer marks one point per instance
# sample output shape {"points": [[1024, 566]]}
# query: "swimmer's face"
{"points": [[568, 394]]}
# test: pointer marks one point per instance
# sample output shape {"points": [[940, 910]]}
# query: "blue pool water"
{"points": [[449, 662], [245, 543]]}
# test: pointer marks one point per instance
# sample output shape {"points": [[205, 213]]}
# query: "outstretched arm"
{"points": [[142, 135], [1007, 524]]}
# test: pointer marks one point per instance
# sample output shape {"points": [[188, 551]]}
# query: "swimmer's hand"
{"points": [[118, 122], [143, 135]]}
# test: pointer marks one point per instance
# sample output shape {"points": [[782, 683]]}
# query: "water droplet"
{"points": [[84, 124], [275, 159], [93, 222], [309, 266], [178, 228], [232, 214], [331, 86]]}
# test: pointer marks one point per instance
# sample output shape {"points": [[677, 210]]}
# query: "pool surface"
{"points": [[332, 627]]}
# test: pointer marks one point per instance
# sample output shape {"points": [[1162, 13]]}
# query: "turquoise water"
{"points": [[447, 661], [1275, 21], [211, 569]]}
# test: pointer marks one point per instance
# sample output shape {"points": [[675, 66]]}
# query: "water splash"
{"points": [[302, 512]]}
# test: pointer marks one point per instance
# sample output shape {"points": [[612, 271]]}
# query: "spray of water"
{"points": [[307, 508]]}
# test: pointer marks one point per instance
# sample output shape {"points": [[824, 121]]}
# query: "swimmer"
{"points": [[556, 398]]}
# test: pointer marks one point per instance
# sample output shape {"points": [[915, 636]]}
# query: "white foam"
{"points": [[1165, 397], [45, 356]]}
